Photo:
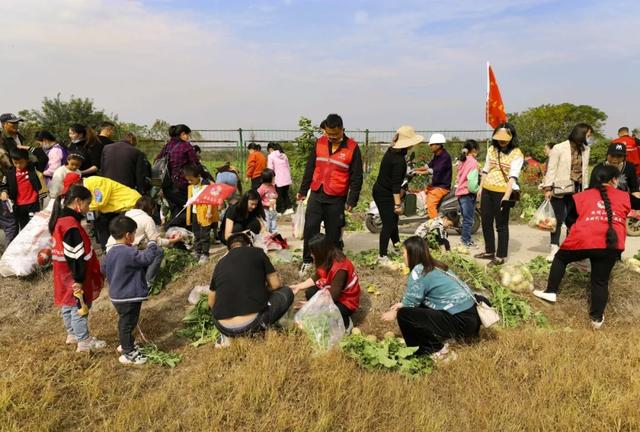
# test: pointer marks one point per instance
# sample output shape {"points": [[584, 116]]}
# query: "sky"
{"points": [[222, 64]]}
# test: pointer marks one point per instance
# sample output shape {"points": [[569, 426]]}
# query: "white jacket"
{"points": [[559, 169], [146, 231]]}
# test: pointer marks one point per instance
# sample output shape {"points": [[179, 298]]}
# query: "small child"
{"points": [[74, 161], [24, 185], [269, 196], [438, 229], [125, 267], [201, 217]]}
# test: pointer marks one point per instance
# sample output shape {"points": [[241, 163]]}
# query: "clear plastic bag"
{"points": [[544, 218], [21, 256], [186, 236], [298, 221], [320, 318]]}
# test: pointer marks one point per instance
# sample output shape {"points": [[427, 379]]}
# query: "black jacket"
{"points": [[12, 182], [38, 156], [125, 164]]}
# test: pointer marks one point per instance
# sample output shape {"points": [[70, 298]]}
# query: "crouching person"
{"points": [[126, 267], [245, 294], [335, 272], [436, 305]]}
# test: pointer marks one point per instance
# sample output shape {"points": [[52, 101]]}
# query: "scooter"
{"points": [[448, 207]]}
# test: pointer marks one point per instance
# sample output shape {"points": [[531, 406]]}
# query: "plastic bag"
{"points": [[196, 292], [20, 257], [298, 222], [544, 218], [186, 236], [321, 320], [516, 277]]}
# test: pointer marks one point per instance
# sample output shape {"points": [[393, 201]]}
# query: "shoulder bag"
{"points": [[488, 315]]}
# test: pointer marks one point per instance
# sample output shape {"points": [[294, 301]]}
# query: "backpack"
{"points": [[160, 175]]}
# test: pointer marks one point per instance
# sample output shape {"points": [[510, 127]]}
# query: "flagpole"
{"points": [[486, 107]]}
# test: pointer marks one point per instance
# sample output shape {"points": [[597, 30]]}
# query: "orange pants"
{"points": [[434, 196]]}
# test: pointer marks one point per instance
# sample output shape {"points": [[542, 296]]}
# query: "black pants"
{"points": [[9, 226], [283, 202], [602, 262], [101, 225], [128, 315], [560, 206], [202, 234], [490, 211], [256, 182], [344, 311], [333, 217], [279, 303], [176, 197], [24, 213], [428, 328], [386, 207]]}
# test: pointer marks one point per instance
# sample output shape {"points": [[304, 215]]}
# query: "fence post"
{"points": [[366, 151], [242, 161]]}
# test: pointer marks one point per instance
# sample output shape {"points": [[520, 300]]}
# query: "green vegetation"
{"points": [[161, 358], [175, 261], [199, 326]]}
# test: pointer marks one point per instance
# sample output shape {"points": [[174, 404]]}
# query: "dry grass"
{"points": [[564, 378]]}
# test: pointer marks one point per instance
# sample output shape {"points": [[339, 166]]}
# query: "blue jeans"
{"points": [[75, 324], [467, 208], [154, 267], [271, 221]]}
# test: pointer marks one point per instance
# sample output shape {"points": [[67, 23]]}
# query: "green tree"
{"points": [[553, 123], [304, 142], [56, 114]]}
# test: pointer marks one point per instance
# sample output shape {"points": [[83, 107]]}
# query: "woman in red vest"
{"points": [[76, 269], [597, 218], [335, 272]]}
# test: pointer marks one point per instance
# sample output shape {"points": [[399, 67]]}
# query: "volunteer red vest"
{"points": [[332, 170], [62, 276], [590, 230], [350, 295], [633, 153]]}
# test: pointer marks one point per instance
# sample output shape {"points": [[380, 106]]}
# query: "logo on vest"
{"points": [[600, 205]]}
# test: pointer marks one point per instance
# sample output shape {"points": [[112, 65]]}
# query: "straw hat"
{"points": [[437, 138], [406, 137], [502, 134]]}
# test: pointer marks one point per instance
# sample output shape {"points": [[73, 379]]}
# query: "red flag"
{"points": [[212, 194], [495, 107]]}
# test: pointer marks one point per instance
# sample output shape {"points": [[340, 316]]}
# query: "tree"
{"points": [[57, 114], [553, 123]]}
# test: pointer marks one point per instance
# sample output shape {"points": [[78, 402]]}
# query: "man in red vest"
{"points": [[334, 175], [633, 153]]}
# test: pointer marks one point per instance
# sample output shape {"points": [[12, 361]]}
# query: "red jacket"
{"points": [[62, 277], [633, 153], [350, 295], [332, 170], [590, 230]]}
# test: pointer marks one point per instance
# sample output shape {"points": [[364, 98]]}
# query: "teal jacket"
{"points": [[437, 290]]}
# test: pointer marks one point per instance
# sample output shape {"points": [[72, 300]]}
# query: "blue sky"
{"points": [[226, 64]]}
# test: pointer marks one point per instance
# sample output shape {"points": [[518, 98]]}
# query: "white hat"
{"points": [[406, 137], [437, 138]]}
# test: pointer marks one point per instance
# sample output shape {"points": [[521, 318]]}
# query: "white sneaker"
{"points": [[288, 212], [135, 357], [71, 339], [305, 269], [203, 260], [222, 342], [385, 261], [597, 325], [550, 297], [90, 344], [552, 253], [135, 347]]}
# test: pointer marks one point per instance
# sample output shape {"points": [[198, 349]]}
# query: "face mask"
{"points": [[590, 140]]}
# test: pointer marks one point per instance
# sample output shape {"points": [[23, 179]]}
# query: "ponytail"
{"points": [[76, 191], [469, 145], [604, 176]]}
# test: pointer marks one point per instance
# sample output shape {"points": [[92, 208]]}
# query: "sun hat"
{"points": [[437, 138], [406, 137], [617, 149], [502, 134]]}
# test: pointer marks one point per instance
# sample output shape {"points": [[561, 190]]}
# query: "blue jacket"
{"points": [[125, 268], [437, 290]]}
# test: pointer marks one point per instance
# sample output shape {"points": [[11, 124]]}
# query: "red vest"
{"points": [[633, 154], [62, 276], [590, 230], [332, 170], [350, 295]]}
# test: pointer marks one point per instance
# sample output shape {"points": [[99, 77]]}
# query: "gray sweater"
{"points": [[125, 268]]}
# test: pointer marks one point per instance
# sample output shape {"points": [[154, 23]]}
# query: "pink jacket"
{"points": [[279, 162], [465, 172]]}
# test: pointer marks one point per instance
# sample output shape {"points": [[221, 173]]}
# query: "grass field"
{"points": [[564, 377]]}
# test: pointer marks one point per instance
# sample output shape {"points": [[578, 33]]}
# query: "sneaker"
{"points": [[305, 269], [384, 261], [203, 260], [135, 357], [485, 255], [288, 212], [470, 244], [90, 344], [550, 297], [597, 324], [71, 339], [552, 253], [135, 347], [222, 342]]}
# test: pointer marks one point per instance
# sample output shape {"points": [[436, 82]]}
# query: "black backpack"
{"points": [[160, 172]]}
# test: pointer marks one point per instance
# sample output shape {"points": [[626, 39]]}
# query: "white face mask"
{"points": [[591, 140]]}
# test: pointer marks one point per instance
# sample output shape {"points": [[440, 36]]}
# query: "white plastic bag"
{"points": [[20, 257], [320, 318], [544, 218], [186, 236], [298, 221], [196, 292]]}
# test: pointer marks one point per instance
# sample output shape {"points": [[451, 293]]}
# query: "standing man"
{"points": [[124, 163], [441, 170], [256, 163], [107, 131], [334, 175], [633, 153]]}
